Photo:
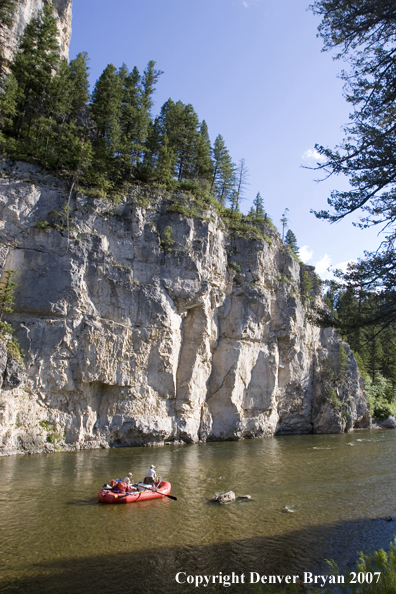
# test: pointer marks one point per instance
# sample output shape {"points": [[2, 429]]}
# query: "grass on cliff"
{"points": [[7, 290], [202, 204]]}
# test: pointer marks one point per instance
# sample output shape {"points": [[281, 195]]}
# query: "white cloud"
{"points": [[246, 5], [343, 265], [313, 155], [305, 254], [322, 265]]}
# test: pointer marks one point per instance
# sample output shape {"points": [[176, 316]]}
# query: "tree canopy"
{"points": [[109, 139], [363, 33]]}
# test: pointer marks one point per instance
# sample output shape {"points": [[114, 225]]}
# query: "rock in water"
{"points": [[389, 423], [224, 497]]}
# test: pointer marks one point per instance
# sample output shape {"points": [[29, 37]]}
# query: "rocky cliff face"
{"points": [[145, 326], [28, 9]]}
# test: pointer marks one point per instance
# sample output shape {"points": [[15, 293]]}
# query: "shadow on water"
{"points": [[152, 570], [90, 501]]}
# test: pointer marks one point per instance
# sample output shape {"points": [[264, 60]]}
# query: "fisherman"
{"points": [[151, 475], [128, 479]]}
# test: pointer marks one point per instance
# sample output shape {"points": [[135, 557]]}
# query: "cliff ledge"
{"points": [[143, 326]]}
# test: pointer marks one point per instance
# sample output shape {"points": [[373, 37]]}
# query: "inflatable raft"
{"points": [[142, 493]]}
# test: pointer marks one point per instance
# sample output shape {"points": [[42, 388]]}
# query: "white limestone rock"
{"points": [[25, 11], [130, 344]]}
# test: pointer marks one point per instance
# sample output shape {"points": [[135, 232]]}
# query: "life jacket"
{"points": [[121, 487]]}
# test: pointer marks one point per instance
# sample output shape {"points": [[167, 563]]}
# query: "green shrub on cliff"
{"points": [[7, 289], [105, 142]]}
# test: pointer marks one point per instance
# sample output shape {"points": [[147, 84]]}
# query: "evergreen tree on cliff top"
{"points": [[363, 32], [291, 241], [202, 164], [223, 171], [7, 10], [135, 116], [105, 112], [33, 68]]}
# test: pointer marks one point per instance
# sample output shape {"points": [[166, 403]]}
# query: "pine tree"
{"points": [[7, 10], [202, 164], [79, 85], [8, 102], [363, 33], [284, 220], [152, 148], [241, 182], [133, 122], [291, 241], [186, 141], [223, 171], [372, 353], [180, 124], [146, 87], [58, 139], [165, 165], [388, 343], [33, 68], [306, 288], [258, 206], [106, 112], [150, 79]]}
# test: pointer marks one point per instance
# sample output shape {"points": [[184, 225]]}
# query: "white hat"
{"points": [[130, 474], [152, 466]]}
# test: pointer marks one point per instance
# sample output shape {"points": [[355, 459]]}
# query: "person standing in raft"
{"points": [[150, 477]]}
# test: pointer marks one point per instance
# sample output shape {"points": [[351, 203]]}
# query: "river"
{"points": [[312, 497]]}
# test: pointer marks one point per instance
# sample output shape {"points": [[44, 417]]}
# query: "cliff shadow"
{"points": [[153, 570]]}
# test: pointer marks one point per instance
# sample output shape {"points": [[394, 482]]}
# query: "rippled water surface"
{"points": [[312, 497]]}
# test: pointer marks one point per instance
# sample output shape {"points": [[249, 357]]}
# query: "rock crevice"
{"points": [[127, 342]]}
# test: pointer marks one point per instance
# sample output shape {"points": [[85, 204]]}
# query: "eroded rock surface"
{"points": [[25, 11], [130, 341]]}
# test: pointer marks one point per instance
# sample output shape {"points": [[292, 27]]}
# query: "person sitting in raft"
{"points": [[150, 477], [113, 484], [128, 479], [120, 488]]}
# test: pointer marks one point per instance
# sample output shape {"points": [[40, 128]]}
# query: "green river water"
{"points": [[312, 497]]}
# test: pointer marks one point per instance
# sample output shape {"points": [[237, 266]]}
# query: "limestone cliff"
{"points": [[134, 334], [28, 9]]}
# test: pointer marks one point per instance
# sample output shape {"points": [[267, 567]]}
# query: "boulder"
{"points": [[224, 497], [389, 423]]}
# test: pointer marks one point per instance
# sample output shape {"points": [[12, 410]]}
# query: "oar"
{"points": [[148, 489], [163, 494]]}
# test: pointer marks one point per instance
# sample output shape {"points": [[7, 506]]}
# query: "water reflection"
{"points": [[313, 497]]}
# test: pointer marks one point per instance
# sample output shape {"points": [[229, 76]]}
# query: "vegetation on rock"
{"points": [[106, 142], [7, 289]]}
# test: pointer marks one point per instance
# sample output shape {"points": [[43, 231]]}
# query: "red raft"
{"points": [[164, 488]]}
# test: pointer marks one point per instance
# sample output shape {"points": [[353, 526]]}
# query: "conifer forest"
{"points": [[106, 141]]}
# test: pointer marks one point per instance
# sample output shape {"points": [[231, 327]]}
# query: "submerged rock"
{"points": [[224, 497]]}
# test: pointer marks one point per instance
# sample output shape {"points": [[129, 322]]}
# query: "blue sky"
{"points": [[254, 70]]}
